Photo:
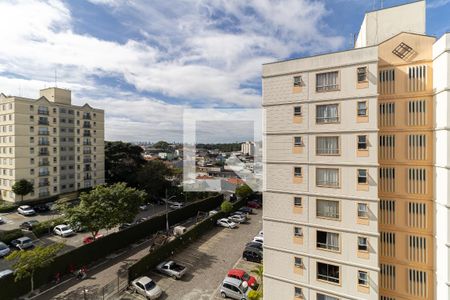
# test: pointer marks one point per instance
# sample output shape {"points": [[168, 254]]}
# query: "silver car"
{"points": [[4, 249], [146, 287], [234, 288], [237, 218]]}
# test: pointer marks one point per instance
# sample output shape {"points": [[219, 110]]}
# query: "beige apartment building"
{"points": [[57, 146], [357, 157]]}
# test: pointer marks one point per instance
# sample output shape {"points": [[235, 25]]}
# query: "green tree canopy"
{"points": [[22, 188], [163, 145], [27, 262], [122, 161], [152, 178], [244, 191], [226, 206], [105, 207]]}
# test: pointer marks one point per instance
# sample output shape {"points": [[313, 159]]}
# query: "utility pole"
{"points": [[167, 213]]}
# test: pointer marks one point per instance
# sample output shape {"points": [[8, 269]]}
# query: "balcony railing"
{"points": [[86, 125], [87, 177], [43, 112], [43, 122], [42, 184], [87, 160], [44, 153], [87, 134], [44, 163], [87, 117], [43, 143], [87, 143], [44, 132], [87, 152], [42, 174]]}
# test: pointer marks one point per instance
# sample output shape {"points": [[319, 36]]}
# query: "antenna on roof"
{"points": [[56, 79]]}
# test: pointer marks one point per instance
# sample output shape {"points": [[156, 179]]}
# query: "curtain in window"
{"points": [[327, 145], [328, 177], [327, 113], [333, 241], [326, 81], [327, 208]]}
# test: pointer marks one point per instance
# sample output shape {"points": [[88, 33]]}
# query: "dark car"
{"points": [[252, 254], [41, 208], [253, 204], [246, 210], [29, 225], [255, 245], [125, 226]]}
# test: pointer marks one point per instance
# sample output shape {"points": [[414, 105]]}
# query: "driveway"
{"points": [[208, 261]]}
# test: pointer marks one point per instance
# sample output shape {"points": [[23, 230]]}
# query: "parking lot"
{"points": [[13, 220], [208, 260]]}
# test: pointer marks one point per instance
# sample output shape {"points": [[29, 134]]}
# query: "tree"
{"points": [[226, 206], [254, 295], [259, 271], [122, 161], [152, 178], [163, 145], [27, 262], [22, 187], [104, 207], [244, 191]]}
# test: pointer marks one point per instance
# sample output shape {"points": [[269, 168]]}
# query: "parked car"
{"points": [[26, 210], [234, 288], [224, 222], [213, 212], [176, 205], [4, 249], [63, 230], [146, 287], [246, 210], [258, 239], [78, 227], [172, 269], [41, 208], [238, 218], [244, 276], [89, 239], [124, 226], [241, 214], [2, 221], [253, 204], [261, 233], [28, 225], [255, 245], [144, 207], [4, 273], [252, 254], [22, 243]]}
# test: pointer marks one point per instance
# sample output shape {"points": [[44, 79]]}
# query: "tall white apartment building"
{"points": [[57, 146], [357, 157], [248, 148]]}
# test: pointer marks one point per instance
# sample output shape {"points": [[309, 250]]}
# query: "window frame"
{"points": [[299, 82], [358, 110], [298, 174], [326, 246], [366, 73], [328, 88], [361, 245], [366, 212], [330, 120], [296, 144], [328, 217], [295, 202], [363, 281], [328, 154], [298, 231], [298, 292], [362, 146], [327, 276], [298, 262], [359, 177], [300, 113], [338, 185]]}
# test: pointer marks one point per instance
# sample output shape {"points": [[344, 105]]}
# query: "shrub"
{"points": [[46, 227], [226, 206], [7, 236]]}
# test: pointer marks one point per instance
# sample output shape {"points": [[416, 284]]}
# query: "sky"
{"points": [[146, 62]]}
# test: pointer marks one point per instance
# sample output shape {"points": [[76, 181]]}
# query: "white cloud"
{"points": [[437, 3], [207, 52]]}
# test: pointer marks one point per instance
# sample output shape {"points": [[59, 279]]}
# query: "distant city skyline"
{"points": [[143, 64]]}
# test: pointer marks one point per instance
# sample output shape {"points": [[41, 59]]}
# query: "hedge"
{"points": [[9, 235], [46, 227], [90, 253]]}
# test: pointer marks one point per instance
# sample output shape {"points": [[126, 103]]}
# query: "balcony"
{"points": [[43, 132], [44, 153], [87, 169], [87, 160], [43, 143], [87, 134], [43, 122], [44, 183], [86, 125], [87, 177], [87, 116], [43, 174], [44, 163], [43, 112], [87, 143]]}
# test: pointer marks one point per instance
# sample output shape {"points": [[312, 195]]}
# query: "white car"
{"points": [[258, 239], [238, 218], [176, 205], [146, 287], [63, 230], [226, 223], [261, 233], [26, 210]]}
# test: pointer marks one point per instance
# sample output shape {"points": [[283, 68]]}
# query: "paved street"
{"points": [[208, 260], [14, 220]]}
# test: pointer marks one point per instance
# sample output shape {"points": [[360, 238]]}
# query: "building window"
{"points": [[387, 114], [298, 201], [362, 74], [297, 111], [298, 80], [327, 145], [362, 244], [362, 176], [362, 109], [327, 81], [328, 272], [298, 232], [327, 240], [298, 292], [298, 262], [325, 297], [297, 171], [327, 209], [327, 177], [298, 141], [417, 283], [327, 113], [363, 210], [362, 142], [363, 278]]}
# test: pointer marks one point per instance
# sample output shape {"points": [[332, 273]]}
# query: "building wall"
{"points": [[441, 100], [281, 215], [74, 144]]}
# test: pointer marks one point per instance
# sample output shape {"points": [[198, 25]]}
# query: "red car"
{"points": [[90, 239], [242, 275], [253, 204]]}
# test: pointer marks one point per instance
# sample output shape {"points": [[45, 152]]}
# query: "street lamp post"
{"points": [[167, 211]]}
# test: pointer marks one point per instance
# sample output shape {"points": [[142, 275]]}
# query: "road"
{"points": [[13, 220], [208, 261]]}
